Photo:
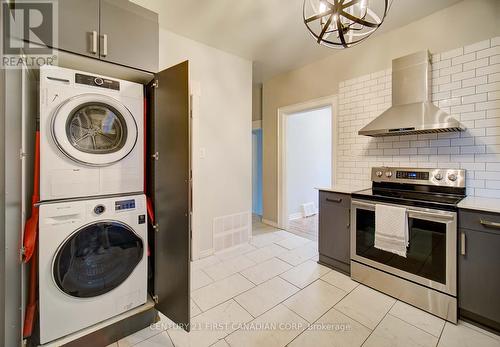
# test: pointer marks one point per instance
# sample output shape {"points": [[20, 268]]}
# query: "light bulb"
{"points": [[322, 7]]}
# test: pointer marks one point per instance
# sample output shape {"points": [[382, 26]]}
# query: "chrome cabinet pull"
{"points": [[462, 243], [93, 48], [104, 45], [489, 224], [339, 200]]}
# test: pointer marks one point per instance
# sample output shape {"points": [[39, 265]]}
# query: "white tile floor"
{"points": [[273, 293]]}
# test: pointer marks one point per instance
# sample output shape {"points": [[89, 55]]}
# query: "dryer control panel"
{"points": [[124, 205], [97, 81]]}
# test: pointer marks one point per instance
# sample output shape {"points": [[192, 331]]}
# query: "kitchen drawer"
{"points": [[480, 221], [337, 199]]}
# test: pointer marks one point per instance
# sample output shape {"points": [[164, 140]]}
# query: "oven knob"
{"points": [[379, 173], [438, 177], [452, 177], [388, 174]]}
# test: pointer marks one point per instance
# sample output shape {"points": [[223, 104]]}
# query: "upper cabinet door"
{"points": [[79, 27], [128, 35], [170, 190]]}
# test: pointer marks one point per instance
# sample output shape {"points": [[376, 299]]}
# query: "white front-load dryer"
{"points": [[92, 262], [91, 135]]}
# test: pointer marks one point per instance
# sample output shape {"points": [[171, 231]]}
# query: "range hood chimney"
{"points": [[412, 111]]}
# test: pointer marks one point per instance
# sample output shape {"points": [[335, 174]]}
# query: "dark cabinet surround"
{"points": [[479, 267], [334, 230]]}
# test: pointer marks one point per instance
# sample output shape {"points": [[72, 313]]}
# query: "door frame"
{"points": [[283, 114]]}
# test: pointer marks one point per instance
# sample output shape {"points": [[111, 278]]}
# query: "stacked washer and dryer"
{"points": [[93, 219]]}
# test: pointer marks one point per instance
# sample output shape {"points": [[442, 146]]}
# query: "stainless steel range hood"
{"points": [[412, 111]]}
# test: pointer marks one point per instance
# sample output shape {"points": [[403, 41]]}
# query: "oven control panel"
{"points": [[439, 177]]}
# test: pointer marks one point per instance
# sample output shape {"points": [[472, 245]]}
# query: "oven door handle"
{"points": [[413, 213], [444, 215]]}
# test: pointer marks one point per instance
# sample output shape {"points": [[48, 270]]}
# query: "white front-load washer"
{"points": [[91, 135], [92, 262]]}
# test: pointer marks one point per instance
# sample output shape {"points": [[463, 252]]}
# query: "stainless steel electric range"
{"points": [[427, 277]]}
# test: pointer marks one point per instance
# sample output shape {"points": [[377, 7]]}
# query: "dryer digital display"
{"points": [[124, 205]]}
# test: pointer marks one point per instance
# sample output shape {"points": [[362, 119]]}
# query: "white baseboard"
{"points": [[271, 223], [297, 215], [205, 253]]}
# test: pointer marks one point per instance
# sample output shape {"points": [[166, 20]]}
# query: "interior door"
{"points": [[79, 26], [170, 190], [129, 35]]}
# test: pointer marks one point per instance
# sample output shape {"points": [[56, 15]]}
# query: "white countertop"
{"points": [[341, 189], [480, 204]]}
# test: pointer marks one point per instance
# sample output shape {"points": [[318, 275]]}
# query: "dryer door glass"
{"points": [[96, 259], [96, 128]]}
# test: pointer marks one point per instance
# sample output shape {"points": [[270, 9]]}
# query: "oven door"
{"points": [[431, 255]]}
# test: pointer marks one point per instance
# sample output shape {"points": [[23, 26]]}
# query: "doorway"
{"points": [[257, 173], [306, 161]]}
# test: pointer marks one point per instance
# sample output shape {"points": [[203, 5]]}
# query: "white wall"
{"points": [[308, 157], [222, 180], [466, 84]]}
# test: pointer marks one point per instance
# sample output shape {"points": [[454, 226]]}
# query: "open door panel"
{"points": [[169, 188]]}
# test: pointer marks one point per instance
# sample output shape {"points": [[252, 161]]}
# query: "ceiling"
{"points": [[271, 33]]}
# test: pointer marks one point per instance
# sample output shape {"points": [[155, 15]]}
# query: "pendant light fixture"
{"points": [[344, 23]]}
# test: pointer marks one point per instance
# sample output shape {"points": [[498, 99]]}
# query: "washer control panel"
{"points": [[96, 81], [124, 205]]}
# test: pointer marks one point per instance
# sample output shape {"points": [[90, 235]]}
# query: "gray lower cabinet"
{"points": [[479, 267], [128, 35], [334, 230]]}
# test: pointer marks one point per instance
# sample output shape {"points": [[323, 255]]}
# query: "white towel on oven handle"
{"points": [[391, 229]]}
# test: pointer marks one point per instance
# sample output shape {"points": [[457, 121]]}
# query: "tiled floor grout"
{"points": [[299, 289], [372, 330]]}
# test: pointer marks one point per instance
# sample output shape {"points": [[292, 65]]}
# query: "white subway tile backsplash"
{"points": [[466, 83], [463, 59], [488, 87], [488, 52], [477, 46], [487, 70], [475, 64], [494, 78], [474, 81]]}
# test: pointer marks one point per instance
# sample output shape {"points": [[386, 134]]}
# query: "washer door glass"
{"points": [[96, 259], [96, 128]]}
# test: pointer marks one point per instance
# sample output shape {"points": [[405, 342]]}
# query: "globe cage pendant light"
{"points": [[343, 23]]}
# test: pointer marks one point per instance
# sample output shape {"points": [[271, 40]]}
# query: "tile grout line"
{"points": [[376, 326]]}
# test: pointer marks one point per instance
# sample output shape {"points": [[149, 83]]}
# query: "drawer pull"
{"points": [[339, 200], [489, 224], [462, 243]]}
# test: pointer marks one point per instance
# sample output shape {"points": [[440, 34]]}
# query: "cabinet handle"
{"points": [[339, 200], [462, 243], [489, 224], [349, 222], [104, 45], [93, 48]]}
